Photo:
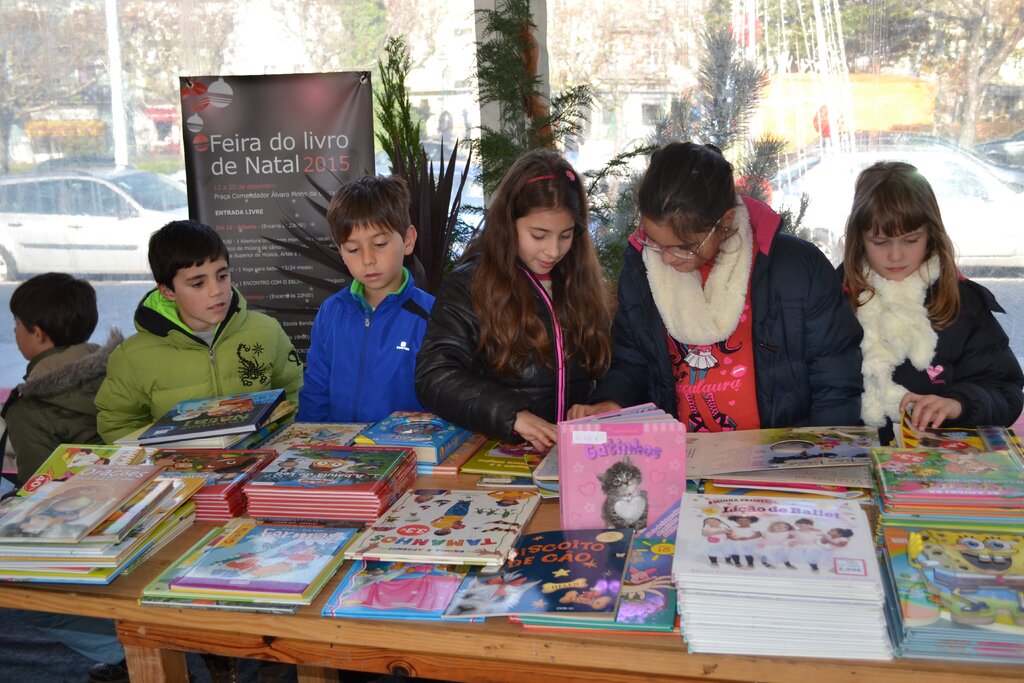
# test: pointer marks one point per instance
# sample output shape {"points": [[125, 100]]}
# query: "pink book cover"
{"points": [[619, 474]]}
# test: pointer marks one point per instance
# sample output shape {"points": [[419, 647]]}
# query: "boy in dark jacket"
{"points": [[54, 316], [363, 345]]}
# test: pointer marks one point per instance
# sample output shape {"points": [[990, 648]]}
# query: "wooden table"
{"points": [[156, 638]]}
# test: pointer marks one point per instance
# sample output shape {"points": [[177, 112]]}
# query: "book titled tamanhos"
{"points": [[620, 469]]}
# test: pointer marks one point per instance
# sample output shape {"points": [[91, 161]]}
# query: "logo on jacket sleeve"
{"points": [[403, 346]]}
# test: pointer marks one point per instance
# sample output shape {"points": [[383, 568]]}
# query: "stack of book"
{"points": [[432, 438], [802, 573], [951, 534], [224, 473], [796, 461], [352, 483], [447, 526], [252, 567], [509, 466], [94, 526], [646, 595], [236, 421], [69, 459]]}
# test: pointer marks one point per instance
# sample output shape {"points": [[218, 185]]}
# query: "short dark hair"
{"points": [[63, 306], [687, 185], [377, 201], [183, 244]]}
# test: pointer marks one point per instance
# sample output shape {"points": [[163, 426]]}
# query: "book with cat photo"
{"points": [[620, 469]]}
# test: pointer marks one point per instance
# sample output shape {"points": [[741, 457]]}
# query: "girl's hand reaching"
{"points": [[930, 410], [539, 432], [586, 410]]}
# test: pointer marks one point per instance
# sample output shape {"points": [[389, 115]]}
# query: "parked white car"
{"points": [[90, 223], [980, 211]]}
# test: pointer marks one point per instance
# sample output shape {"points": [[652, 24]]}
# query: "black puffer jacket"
{"points": [[453, 381], [807, 359]]}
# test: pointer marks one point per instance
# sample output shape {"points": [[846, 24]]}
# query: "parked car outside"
{"points": [[978, 206], [1006, 151], [89, 223]]}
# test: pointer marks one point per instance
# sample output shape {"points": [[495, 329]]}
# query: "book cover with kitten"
{"points": [[620, 469]]}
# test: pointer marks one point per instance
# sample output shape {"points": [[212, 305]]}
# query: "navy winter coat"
{"points": [[807, 359]]}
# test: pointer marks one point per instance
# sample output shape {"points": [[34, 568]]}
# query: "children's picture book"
{"points": [[620, 472], [647, 598], [68, 460], [958, 591], [351, 467], [452, 464], [395, 590], [66, 511], [218, 416], [132, 512], [315, 434], [272, 559], [217, 467], [977, 439], [949, 477], [788, 539], [576, 573], [714, 453], [504, 459], [547, 468], [447, 526], [432, 438]]}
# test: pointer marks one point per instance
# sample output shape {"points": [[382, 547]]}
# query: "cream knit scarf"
{"points": [[695, 314], [896, 327]]}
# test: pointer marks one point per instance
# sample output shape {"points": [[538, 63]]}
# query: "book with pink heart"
{"points": [[620, 469]]}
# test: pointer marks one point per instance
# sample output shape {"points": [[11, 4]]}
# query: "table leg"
{"points": [[154, 665]]}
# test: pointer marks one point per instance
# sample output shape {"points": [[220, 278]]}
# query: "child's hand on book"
{"points": [[930, 410], [586, 410], [539, 432]]}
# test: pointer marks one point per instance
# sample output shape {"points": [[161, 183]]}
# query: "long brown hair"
{"points": [[892, 198], [511, 333]]}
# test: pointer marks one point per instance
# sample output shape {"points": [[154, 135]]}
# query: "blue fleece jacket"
{"points": [[361, 362]]}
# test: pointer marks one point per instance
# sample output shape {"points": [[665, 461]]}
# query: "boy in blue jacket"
{"points": [[363, 345]]}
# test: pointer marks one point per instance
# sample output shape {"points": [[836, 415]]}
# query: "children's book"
{"points": [[957, 592], [620, 470], [446, 526], [977, 439], [432, 438], [352, 468], [219, 468], [395, 590], [210, 417], [452, 464], [66, 511], [714, 453], [504, 459], [132, 512], [576, 573], [315, 434], [547, 468], [68, 460], [275, 560], [495, 481], [949, 477], [647, 598]]}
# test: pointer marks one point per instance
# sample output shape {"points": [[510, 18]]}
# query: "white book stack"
{"points": [[788, 577]]}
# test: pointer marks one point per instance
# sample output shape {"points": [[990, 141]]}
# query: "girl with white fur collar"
{"points": [[930, 338]]}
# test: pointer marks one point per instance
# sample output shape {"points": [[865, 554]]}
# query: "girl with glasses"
{"points": [[521, 329], [724, 320]]}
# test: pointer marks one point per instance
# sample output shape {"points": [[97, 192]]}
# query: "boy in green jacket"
{"points": [[195, 338]]}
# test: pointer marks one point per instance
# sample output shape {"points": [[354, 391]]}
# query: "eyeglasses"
{"points": [[679, 251]]}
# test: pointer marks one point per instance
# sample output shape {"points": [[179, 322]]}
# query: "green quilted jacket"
{"points": [[166, 363]]}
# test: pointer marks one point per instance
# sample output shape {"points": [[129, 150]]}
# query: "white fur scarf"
{"points": [[896, 327], [695, 314]]}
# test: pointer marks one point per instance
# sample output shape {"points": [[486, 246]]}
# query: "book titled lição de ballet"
{"points": [[620, 469]]}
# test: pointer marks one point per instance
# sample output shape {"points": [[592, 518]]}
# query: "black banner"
{"points": [[255, 147]]}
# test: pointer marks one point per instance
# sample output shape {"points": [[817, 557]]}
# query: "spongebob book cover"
{"points": [[923, 474], [573, 572], [267, 558]]}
